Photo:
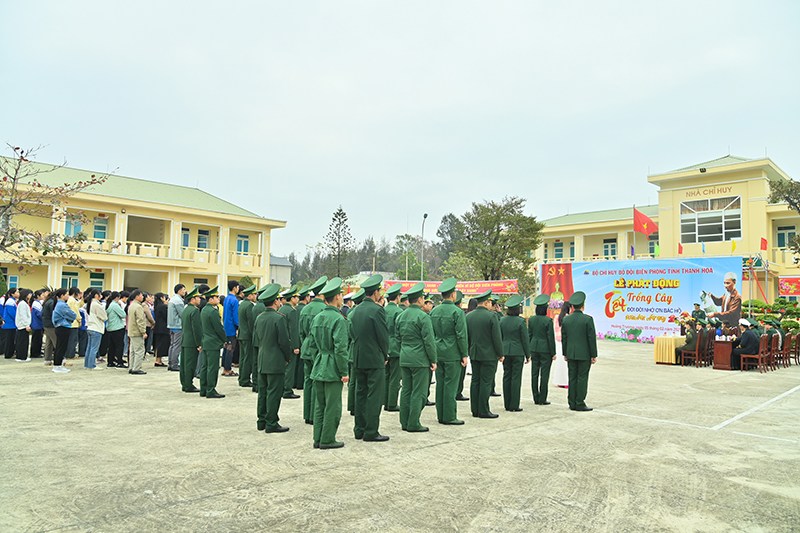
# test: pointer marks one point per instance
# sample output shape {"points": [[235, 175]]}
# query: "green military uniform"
{"points": [[485, 349], [370, 353], [351, 384], [698, 313], [542, 343], [579, 345], [393, 365], [247, 370], [450, 331], [460, 390], [514, 331], [417, 356], [307, 353], [191, 341], [214, 339], [274, 353], [328, 339], [293, 319], [255, 312], [299, 371], [689, 346]]}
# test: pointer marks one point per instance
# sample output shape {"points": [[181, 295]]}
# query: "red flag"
{"points": [[763, 243], [680, 248], [642, 223]]}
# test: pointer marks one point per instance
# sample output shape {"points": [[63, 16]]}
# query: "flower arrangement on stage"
{"points": [[680, 319], [555, 304]]}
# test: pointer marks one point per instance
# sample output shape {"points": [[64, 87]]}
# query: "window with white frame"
{"points": [[185, 236], [243, 244], [202, 239], [100, 228], [97, 280], [609, 247], [558, 250], [715, 219], [69, 280], [785, 236], [72, 228]]}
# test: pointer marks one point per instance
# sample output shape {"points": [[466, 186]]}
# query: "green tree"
{"points": [[413, 268], [498, 238], [338, 246], [246, 281], [787, 191], [22, 193], [3, 285], [461, 267]]}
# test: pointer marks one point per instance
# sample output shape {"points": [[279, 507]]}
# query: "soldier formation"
{"points": [[311, 343]]}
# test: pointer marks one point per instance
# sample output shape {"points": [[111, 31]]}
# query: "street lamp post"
{"points": [[422, 250]]}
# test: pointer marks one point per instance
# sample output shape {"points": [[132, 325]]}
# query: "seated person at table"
{"points": [[774, 328], [746, 344], [726, 328], [691, 341]]}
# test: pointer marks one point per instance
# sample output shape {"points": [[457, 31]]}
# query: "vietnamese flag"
{"points": [[763, 243], [642, 223], [680, 248]]}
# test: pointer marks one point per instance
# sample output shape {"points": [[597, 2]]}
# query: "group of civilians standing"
{"points": [[62, 324]]}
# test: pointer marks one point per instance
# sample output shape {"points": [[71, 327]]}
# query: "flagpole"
{"points": [[633, 246]]}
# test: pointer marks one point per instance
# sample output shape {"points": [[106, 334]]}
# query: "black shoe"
{"points": [[332, 446], [584, 408], [429, 403], [391, 409], [174, 369], [495, 394], [202, 394], [159, 364], [517, 410], [359, 437], [488, 415], [255, 389], [379, 438], [310, 422], [261, 427], [316, 445], [123, 365], [195, 389], [475, 416], [453, 423], [137, 372], [291, 397], [248, 384], [215, 395], [420, 430], [462, 399], [279, 429], [542, 403]]}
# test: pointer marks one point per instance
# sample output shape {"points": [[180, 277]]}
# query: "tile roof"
{"points": [[601, 216], [279, 261], [720, 161]]}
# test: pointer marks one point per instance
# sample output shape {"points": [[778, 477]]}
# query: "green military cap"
{"points": [[577, 298], [318, 285], [249, 290], [332, 288], [415, 292], [290, 292], [542, 299], [269, 293], [404, 297], [753, 323], [459, 297], [192, 294], [447, 286], [702, 322], [304, 292], [495, 297], [211, 292], [698, 305], [357, 297], [394, 290], [514, 301], [484, 296], [372, 283]]}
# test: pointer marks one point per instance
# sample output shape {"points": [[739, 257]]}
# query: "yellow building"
{"points": [[151, 236], [703, 209]]}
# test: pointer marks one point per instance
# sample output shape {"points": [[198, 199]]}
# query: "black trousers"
{"points": [[116, 341], [103, 350], [37, 338], [22, 342], [10, 338], [62, 343]]}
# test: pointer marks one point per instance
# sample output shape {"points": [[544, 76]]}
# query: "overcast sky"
{"points": [[392, 109]]}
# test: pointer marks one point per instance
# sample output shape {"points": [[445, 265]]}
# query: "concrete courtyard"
{"points": [[666, 449]]}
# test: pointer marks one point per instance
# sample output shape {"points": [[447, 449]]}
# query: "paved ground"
{"points": [[666, 449]]}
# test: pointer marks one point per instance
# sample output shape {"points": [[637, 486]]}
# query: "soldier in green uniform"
{"points": [[329, 340], [516, 352], [351, 384], [579, 346], [255, 312], [698, 313], [460, 390], [311, 310], [485, 351], [214, 340], [370, 354], [450, 331], [289, 310], [303, 299], [403, 301], [274, 354], [417, 358], [191, 341], [691, 341], [542, 342], [247, 370], [393, 310]]}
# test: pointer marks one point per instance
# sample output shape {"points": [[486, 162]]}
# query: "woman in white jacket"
{"points": [[96, 326], [23, 322]]}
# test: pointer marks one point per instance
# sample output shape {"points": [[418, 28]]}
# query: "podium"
{"points": [[722, 355]]}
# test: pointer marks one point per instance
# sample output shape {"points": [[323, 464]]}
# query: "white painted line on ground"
{"points": [[763, 436], [754, 409], [653, 419]]}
